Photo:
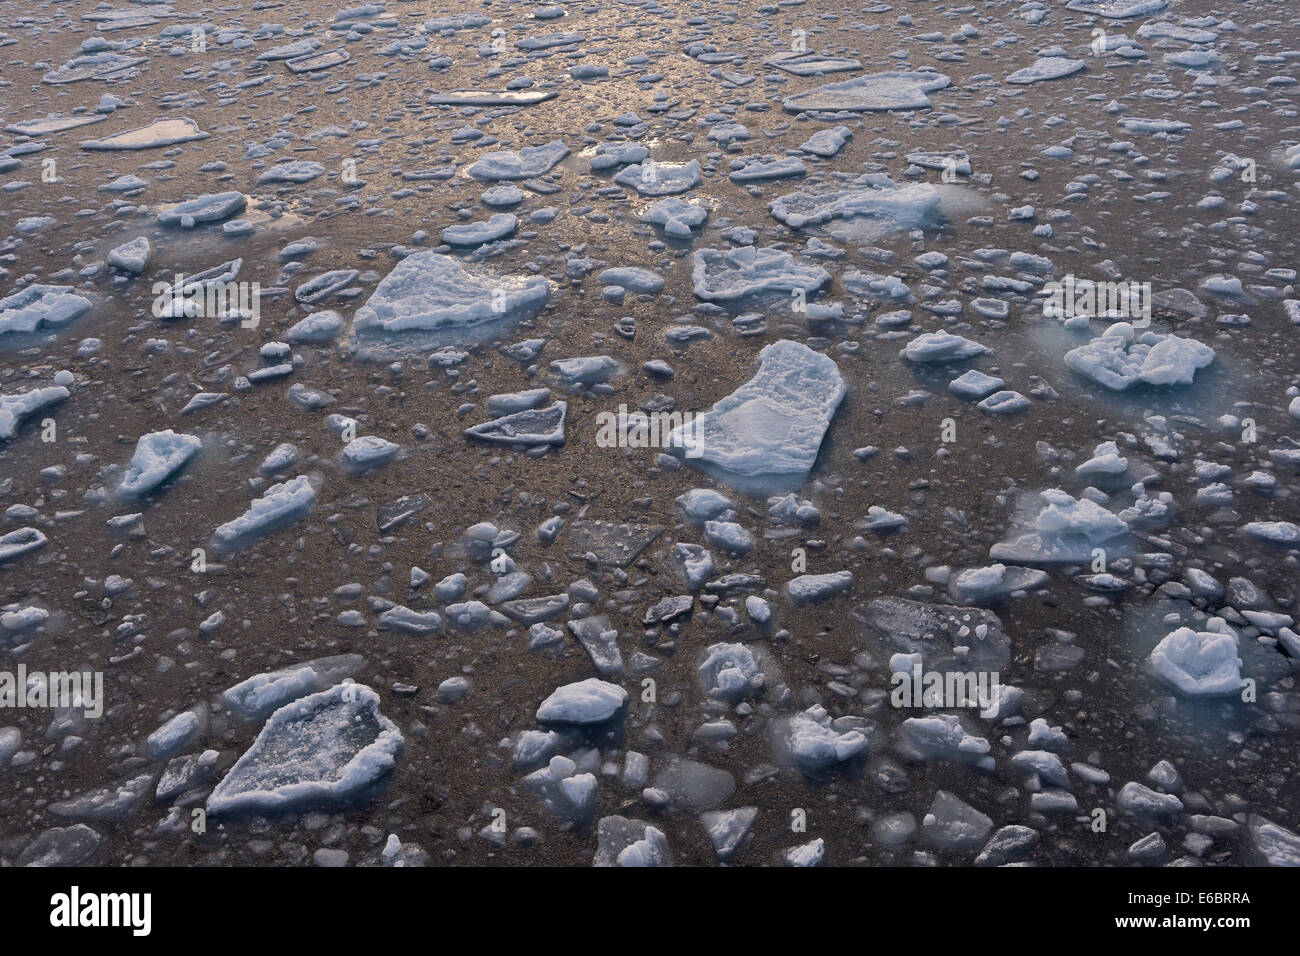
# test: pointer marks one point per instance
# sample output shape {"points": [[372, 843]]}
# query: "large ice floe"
{"points": [[873, 197], [213, 207], [158, 456], [16, 409], [279, 505], [260, 695], [1046, 68], [163, 132], [1066, 531], [527, 163], [319, 749], [1200, 663], [733, 275], [893, 90], [650, 178], [40, 307], [1118, 9], [816, 742], [590, 701], [428, 291], [1119, 360], [768, 431]]}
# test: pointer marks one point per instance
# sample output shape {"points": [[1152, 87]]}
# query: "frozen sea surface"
{"points": [[575, 434]]}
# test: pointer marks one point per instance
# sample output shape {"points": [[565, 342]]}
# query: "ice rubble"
{"points": [[158, 456], [772, 426], [622, 841], [563, 790], [942, 737], [369, 451], [22, 541], [985, 585], [811, 64], [1118, 361], [491, 98], [132, 257], [892, 90], [431, 291], [322, 748], [728, 830]]}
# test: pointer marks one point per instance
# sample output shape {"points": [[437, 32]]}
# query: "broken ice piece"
{"points": [[319, 749], [769, 430], [158, 456]]}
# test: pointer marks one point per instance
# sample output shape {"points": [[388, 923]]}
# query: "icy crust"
{"points": [[320, 749], [893, 90], [158, 456], [430, 291], [870, 196], [281, 504], [736, 274], [528, 163], [772, 426], [40, 306], [1199, 663], [15, 409], [1066, 531], [1118, 361]]}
